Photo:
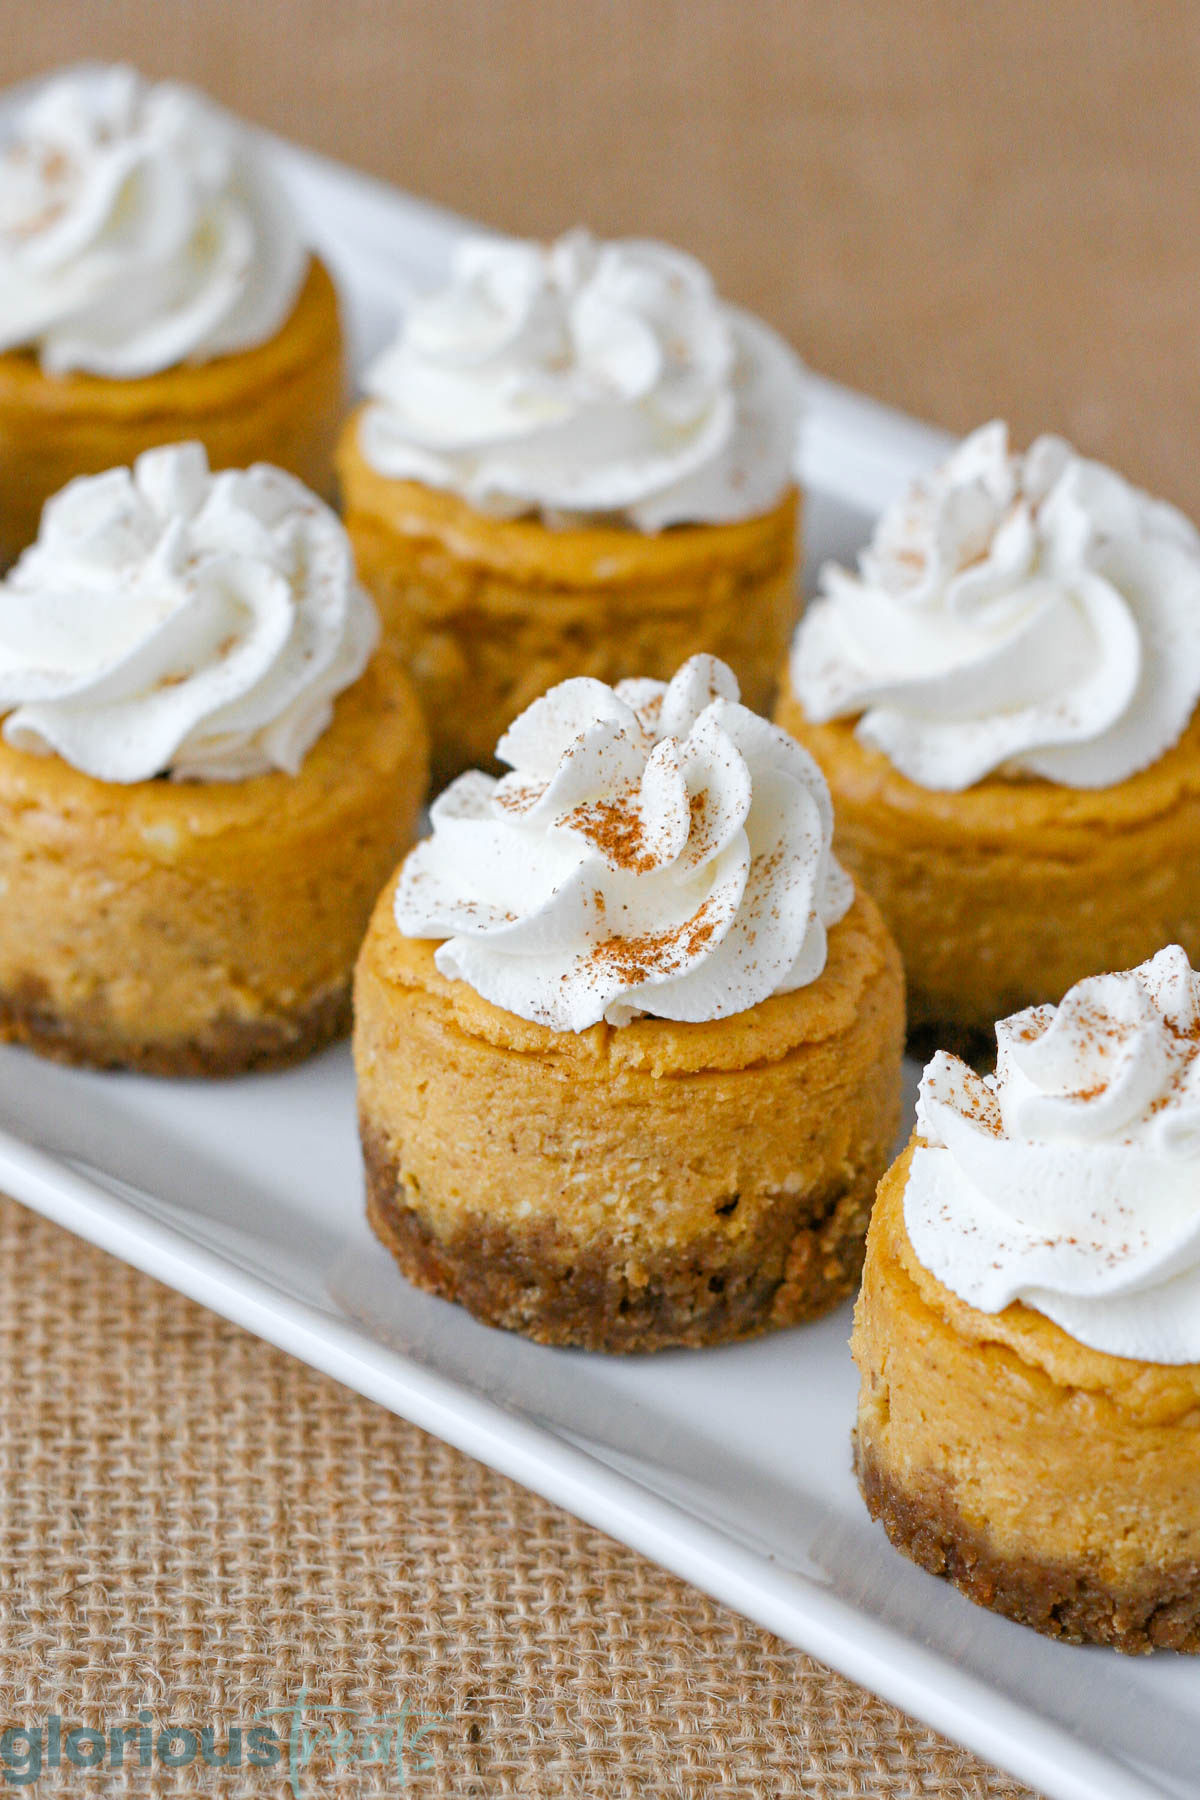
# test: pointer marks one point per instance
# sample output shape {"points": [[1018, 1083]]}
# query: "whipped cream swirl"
{"points": [[585, 379], [1070, 1179], [656, 849], [1017, 613], [173, 621], [140, 227]]}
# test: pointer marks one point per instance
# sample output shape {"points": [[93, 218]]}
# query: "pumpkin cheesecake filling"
{"points": [[627, 1043], [280, 403], [1011, 892], [1029, 1344], [207, 928], [207, 770], [1003, 699], [575, 459], [629, 1187], [489, 613]]}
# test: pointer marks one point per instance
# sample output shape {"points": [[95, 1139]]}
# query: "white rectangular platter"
{"points": [[730, 1467]]}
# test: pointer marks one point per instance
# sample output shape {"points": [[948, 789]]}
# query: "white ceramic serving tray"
{"points": [[730, 1467]]}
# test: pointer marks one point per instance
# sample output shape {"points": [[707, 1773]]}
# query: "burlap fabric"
{"points": [[966, 210]]}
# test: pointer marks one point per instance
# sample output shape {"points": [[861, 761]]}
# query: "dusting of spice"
{"points": [[617, 829], [638, 959], [624, 879], [1069, 1178]]}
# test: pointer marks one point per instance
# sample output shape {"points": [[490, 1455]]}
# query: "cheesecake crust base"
{"points": [[1060, 1599], [226, 1046], [803, 1261]]}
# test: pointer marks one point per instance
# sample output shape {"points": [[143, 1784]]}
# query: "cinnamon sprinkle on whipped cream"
{"points": [[657, 848], [1070, 1179]]}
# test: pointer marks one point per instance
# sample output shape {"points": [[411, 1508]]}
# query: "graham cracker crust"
{"points": [[805, 1260], [1059, 1599], [226, 1046]]}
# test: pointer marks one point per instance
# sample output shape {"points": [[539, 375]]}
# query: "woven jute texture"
{"points": [[195, 1528]]}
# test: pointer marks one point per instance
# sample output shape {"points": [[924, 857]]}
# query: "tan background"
{"points": [[966, 209]]}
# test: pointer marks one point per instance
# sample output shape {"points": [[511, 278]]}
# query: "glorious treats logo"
{"points": [[304, 1742]]}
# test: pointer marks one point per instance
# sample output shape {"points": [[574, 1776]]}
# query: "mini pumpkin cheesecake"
{"points": [[1028, 1331], [154, 287], [575, 460], [627, 1041], [207, 770], [1003, 700]]}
